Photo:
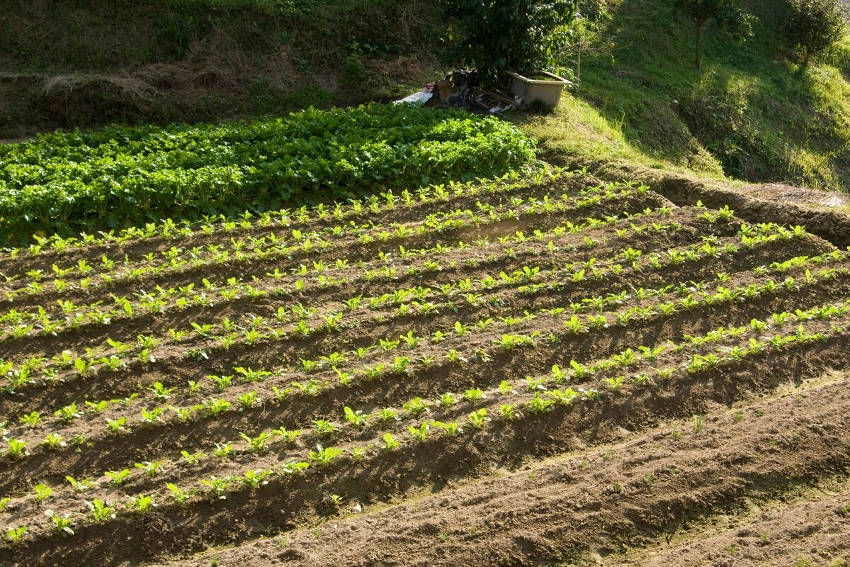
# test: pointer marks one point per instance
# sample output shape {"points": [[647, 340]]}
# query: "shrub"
{"points": [[504, 35], [813, 26]]}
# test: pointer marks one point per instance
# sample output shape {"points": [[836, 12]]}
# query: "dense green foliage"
{"points": [[506, 35], [122, 174], [813, 26], [703, 12]]}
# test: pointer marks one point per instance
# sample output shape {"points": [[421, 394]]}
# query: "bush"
{"points": [[813, 26], [123, 175], [514, 35]]}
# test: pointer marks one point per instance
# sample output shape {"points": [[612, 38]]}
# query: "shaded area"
{"points": [[83, 64]]}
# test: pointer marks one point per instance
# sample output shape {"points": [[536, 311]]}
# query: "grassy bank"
{"points": [[748, 113], [84, 64]]}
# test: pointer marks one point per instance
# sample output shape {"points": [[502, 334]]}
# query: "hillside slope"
{"points": [[84, 64], [748, 113]]}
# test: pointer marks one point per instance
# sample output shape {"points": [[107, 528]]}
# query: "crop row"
{"points": [[392, 206], [538, 399], [252, 333], [112, 270], [400, 366], [300, 281]]}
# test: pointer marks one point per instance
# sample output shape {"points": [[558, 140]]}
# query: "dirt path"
{"points": [[803, 196]]}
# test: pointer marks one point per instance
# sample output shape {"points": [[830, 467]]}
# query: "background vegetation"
{"points": [[86, 63], [753, 110], [749, 112]]}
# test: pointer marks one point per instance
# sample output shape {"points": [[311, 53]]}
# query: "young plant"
{"points": [[258, 443], [117, 477], [151, 468], [177, 494], [141, 503], [31, 419], [538, 404], [355, 418], [16, 535], [452, 428], [17, 448], [100, 510], [324, 455], [416, 406], [419, 433], [478, 418], [390, 442], [508, 412], [79, 485], [325, 427], [42, 492], [116, 425], [255, 478], [160, 392], [223, 450], [192, 458], [61, 524]]}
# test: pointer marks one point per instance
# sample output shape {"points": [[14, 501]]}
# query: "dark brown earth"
{"points": [[598, 502], [622, 472]]}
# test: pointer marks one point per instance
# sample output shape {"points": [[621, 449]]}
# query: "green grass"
{"points": [[748, 113]]}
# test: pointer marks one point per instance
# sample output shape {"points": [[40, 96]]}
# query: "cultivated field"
{"points": [[523, 371]]}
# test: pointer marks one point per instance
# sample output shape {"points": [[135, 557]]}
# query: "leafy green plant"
{"points": [[255, 478], [478, 418], [258, 443], [100, 510], [116, 425], [451, 427], [77, 180], [324, 455], [31, 419], [17, 448], [141, 503], [390, 442], [813, 26], [179, 495], [61, 524], [510, 34], [116, 478], [355, 418], [42, 492], [16, 535], [151, 468], [80, 485]]}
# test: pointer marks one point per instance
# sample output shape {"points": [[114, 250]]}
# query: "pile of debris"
{"points": [[460, 89]]}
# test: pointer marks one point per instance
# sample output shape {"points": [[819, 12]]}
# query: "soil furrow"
{"points": [[811, 448]]}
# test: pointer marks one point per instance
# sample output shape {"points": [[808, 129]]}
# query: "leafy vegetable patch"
{"points": [[125, 175]]}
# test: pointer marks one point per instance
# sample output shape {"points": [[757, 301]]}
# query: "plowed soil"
{"points": [[553, 372]]}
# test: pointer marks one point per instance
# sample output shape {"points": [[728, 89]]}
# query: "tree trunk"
{"points": [[698, 54], [578, 65]]}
